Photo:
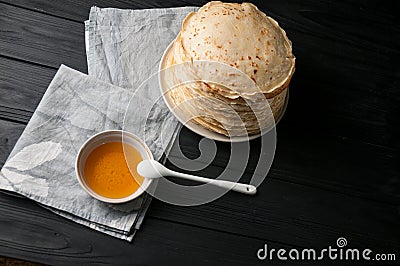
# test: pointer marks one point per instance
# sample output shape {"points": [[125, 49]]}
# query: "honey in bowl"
{"points": [[110, 170]]}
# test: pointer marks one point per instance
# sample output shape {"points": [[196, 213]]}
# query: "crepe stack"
{"points": [[238, 60]]}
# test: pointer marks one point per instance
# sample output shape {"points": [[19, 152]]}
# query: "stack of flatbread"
{"points": [[231, 66]]}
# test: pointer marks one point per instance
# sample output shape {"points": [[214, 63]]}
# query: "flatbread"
{"points": [[229, 68]]}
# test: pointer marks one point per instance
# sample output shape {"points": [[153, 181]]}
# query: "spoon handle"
{"points": [[238, 187]]}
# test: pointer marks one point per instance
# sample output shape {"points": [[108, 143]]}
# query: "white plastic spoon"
{"points": [[153, 169]]}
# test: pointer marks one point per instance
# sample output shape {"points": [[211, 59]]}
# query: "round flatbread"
{"points": [[230, 67]]}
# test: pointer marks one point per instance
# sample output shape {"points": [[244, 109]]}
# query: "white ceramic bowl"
{"points": [[105, 137]]}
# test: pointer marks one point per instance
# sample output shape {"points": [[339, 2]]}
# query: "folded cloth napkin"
{"points": [[124, 48]]}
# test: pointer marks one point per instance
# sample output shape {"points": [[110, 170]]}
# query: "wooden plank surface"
{"points": [[9, 134], [22, 85], [352, 106], [48, 238], [298, 164], [300, 158], [345, 115], [78, 11], [41, 39], [336, 167]]}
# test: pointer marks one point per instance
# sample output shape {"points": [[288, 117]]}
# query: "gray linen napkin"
{"points": [[124, 48]]}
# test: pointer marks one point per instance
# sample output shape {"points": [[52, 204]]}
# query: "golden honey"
{"points": [[110, 170]]}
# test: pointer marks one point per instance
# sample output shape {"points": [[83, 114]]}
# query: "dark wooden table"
{"points": [[336, 170]]}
